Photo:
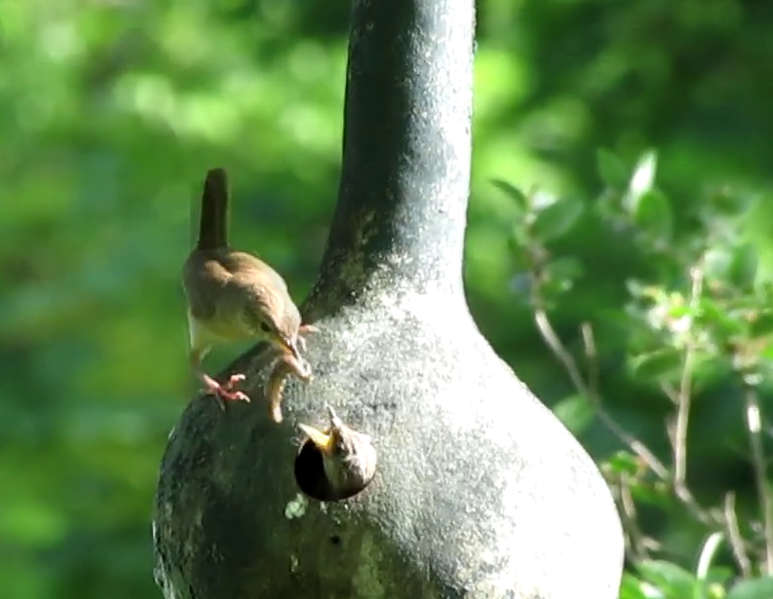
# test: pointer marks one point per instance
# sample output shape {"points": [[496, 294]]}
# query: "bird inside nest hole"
{"points": [[335, 463]]}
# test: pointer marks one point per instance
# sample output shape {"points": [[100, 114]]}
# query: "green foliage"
{"points": [[663, 580], [697, 320]]}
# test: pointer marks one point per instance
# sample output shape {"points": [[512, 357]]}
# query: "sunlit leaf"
{"points": [[557, 219], [632, 588], [623, 462], [661, 363], [675, 582], [641, 181], [656, 494], [516, 195]]}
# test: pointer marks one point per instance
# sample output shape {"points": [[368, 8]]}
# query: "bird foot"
{"points": [[224, 392], [304, 329], [233, 379]]}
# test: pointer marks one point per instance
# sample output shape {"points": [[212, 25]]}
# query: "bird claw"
{"points": [[233, 379], [303, 330], [224, 392]]}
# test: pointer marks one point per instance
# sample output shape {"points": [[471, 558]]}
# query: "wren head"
{"points": [[271, 315]]}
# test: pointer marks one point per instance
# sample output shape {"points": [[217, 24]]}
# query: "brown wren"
{"points": [[235, 296]]}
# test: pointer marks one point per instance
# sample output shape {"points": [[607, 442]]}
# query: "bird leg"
{"points": [[285, 365], [223, 392]]}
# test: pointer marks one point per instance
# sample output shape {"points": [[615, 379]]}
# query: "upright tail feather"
{"points": [[213, 221]]}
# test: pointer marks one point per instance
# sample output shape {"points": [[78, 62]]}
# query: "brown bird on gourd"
{"points": [[235, 296], [348, 459]]}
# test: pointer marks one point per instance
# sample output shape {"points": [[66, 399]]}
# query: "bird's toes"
{"points": [[239, 396], [308, 328], [233, 379]]}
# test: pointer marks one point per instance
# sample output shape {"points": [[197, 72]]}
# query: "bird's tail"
{"points": [[213, 220]]}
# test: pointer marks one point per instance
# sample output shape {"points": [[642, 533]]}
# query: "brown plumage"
{"points": [[235, 296]]}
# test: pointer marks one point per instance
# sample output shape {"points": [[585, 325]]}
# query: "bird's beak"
{"points": [[292, 346], [335, 421], [323, 441]]}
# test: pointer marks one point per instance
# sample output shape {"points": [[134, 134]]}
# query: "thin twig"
{"points": [[636, 540], [685, 390], [754, 426], [553, 342], [591, 356], [734, 536]]}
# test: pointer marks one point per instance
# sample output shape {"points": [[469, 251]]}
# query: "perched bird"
{"points": [[348, 461], [235, 296]]}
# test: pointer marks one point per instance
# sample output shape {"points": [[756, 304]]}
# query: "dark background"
{"points": [[110, 114]]}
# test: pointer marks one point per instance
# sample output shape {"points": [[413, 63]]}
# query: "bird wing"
{"points": [[205, 279], [249, 269]]}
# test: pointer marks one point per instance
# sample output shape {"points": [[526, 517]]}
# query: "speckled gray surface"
{"points": [[480, 492]]}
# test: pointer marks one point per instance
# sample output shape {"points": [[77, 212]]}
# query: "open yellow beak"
{"points": [[324, 442]]}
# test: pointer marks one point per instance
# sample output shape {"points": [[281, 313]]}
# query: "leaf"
{"points": [[674, 581], [717, 262], [760, 588], [641, 181], [519, 198], [576, 412], [631, 588], [658, 364], [611, 169], [743, 266], [561, 274], [567, 267], [557, 219], [761, 324], [720, 317], [651, 493], [652, 213], [720, 575], [623, 462]]}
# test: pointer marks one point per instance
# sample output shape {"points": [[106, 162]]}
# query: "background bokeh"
{"points": [[112, 110]]}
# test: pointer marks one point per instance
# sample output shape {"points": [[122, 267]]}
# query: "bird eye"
{"points": [[264, 327]]}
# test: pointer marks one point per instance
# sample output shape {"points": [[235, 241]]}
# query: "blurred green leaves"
{"points": [[664, 580], [752, 589], [696, 318], [554, 217]]}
